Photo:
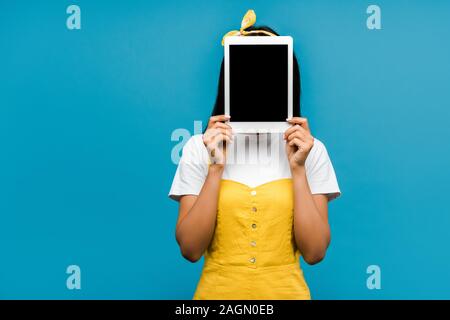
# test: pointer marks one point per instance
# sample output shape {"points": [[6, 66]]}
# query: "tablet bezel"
{"points": [[275, 126]]}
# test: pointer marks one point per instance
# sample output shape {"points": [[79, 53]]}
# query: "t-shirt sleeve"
{"points": [[320, 172], [191, 171]]}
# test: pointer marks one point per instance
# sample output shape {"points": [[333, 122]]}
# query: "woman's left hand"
{"points": [[299, 141]]}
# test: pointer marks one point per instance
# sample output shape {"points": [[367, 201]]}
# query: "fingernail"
{"points": [[227, 116]]}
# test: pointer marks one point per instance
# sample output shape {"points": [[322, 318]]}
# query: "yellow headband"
{"points": [[248, 20]]}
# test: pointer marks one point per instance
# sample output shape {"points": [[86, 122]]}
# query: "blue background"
{"points": [[86, 118]]}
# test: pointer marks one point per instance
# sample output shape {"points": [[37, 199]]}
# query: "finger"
{"points": [[299, 135], [299, 120], [306, 145], [217, 131], [221, 117], [302, 134], [219, 139], [299, 143], [290, 130], [210, 134], [221, 125], [294, 128]]}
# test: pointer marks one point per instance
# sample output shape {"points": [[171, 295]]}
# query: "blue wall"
{"points": [[86, 118]]}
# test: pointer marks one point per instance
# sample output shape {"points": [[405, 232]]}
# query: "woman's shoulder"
{"points": [[194, 149], [318, 152], [195, 142], [192, 169], [318, 145]]}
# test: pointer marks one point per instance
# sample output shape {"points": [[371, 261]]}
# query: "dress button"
{"points": [[253, 243], [253, 193], [254, 209], [253, 260], [254, 225]]}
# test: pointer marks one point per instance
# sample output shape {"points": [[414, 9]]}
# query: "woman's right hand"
{"points": [[216, 137]]}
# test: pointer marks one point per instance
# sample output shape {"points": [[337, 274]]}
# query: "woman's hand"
{"points": [[299, 142], [215, 138]]}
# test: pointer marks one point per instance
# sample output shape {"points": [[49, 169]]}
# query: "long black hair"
{"points": [[219, 106]]}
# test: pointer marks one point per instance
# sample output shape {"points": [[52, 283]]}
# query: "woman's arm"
{"points": [[197, 214], [311, 228]]}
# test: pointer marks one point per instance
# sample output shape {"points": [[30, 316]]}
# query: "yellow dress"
{"points": [[253, 253]]}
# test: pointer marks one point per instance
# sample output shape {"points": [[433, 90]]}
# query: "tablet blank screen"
{"points": [[258, 82]]}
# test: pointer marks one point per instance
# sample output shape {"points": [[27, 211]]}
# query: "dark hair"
{"points": [[219, 107]]}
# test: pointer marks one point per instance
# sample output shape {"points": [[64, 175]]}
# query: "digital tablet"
{"points": [[258, 82]]}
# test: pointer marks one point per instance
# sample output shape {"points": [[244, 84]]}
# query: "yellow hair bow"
{"points": [[248, 21]]}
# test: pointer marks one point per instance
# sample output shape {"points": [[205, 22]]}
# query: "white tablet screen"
{"points": [[258, 82]]}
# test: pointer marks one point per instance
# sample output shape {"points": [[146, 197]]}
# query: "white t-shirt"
{"points": [[253, 160]]}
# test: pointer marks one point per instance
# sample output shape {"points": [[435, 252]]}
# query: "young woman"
{"points": [[252, 219]]}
